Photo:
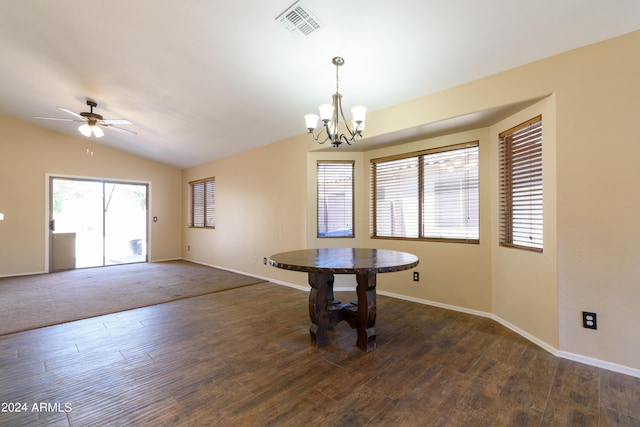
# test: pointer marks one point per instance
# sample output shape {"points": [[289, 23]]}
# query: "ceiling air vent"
{"points": [[300, 20]]}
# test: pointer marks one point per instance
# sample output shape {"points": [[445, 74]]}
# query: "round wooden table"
{"points": [[322, 264]]}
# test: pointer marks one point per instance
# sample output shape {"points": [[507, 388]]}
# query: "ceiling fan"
{"points": [[92, 121]]}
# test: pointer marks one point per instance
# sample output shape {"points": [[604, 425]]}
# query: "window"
{"points": [[202, 203], [429, 195], [335, 198], [521, 186]]}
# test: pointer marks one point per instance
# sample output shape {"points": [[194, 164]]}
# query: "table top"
{"points": [[344, 260]]}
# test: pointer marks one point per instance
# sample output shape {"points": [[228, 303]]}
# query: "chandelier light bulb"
{"points": [[312, 121], [326, 112], [358, 127], [358, 113]]}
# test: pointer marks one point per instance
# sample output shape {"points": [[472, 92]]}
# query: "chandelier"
{"points": [[330, 115]]}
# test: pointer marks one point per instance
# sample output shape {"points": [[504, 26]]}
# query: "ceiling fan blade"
{"points": [[119, 129], [70, 112], [55, 118], [116, 122]]}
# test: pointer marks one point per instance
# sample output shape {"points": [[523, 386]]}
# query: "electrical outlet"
{"points": [[416, 276], [264, 260], [589, 320]]}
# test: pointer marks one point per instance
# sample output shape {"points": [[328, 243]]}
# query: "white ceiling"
{"points": [[206, 79]]}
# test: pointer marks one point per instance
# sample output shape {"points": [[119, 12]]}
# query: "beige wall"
{"points": [[260, 210], [598, 174], [590, 107], [525, 285], [28, 153]]}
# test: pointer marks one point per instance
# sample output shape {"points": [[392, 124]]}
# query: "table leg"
{"points": [[318, 311], [330, 297], [366, 317]]}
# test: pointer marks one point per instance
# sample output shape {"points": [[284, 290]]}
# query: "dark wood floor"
{"points": [[243, 358]]}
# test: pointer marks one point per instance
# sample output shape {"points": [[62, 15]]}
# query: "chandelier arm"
{"points": [[316, 136], [344, 119], [336, 112], [338, 62]]}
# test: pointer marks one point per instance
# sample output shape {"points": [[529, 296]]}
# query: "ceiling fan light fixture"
{"points": [[88, 128], [92, 123], [97, 131], [85, 129]]}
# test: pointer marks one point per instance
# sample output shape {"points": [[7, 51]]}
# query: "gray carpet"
{"points": [[30, 302]]}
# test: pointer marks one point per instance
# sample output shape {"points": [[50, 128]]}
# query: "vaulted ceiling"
{"points": [[206, 79]]}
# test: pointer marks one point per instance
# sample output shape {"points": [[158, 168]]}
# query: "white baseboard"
{"points": [[290, 285], [24, 274], [551, 349], [600, 363], [168, 259], [266, 279], [436, 304]]}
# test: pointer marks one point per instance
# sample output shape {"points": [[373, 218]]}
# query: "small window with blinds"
{"points": [[430, 195], [202, 203], [335, 198], [521, 214]]}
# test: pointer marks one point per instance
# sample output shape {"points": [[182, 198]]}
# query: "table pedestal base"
{"points": [[325, 314]]}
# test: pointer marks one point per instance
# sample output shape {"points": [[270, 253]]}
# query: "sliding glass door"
{"points": [[96, 223], [125, 223]]}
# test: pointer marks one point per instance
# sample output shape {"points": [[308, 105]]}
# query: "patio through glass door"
{"points": [[95, 223]]}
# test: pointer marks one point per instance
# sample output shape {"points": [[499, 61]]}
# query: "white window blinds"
{"points": [[521, 213], [335, 198], [431, 195], [451, 196], [396, 195]]}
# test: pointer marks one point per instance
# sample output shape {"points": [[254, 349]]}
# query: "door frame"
{"points": [[48, 241]]}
